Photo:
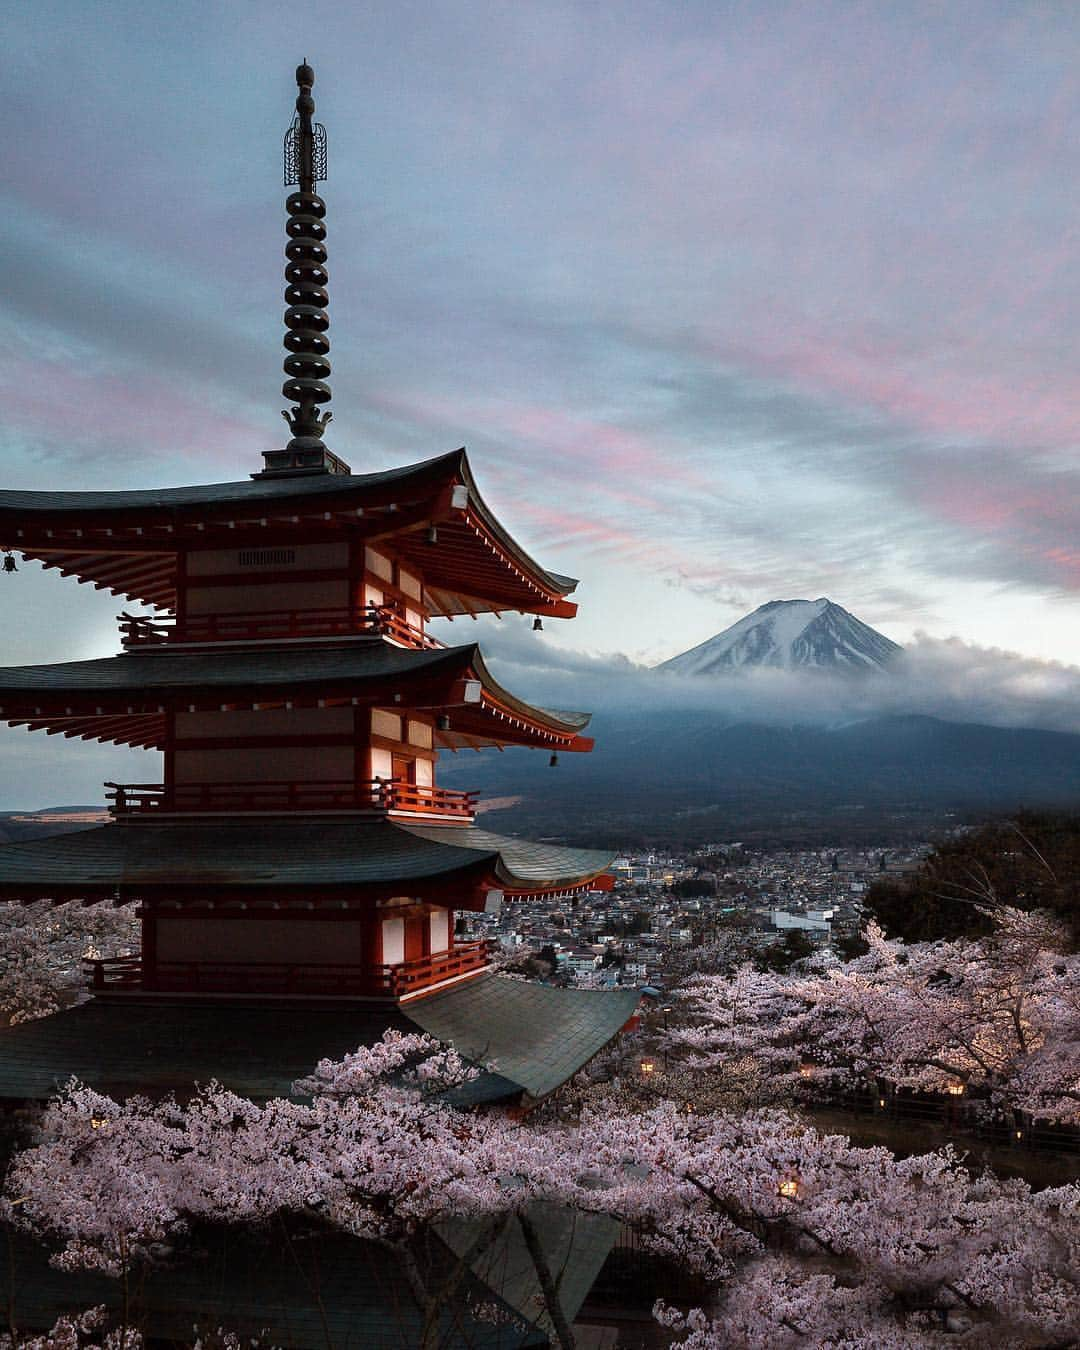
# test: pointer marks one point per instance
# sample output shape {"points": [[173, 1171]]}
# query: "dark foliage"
{"points": [[781, 956], [690, 887], [1031, 862]]}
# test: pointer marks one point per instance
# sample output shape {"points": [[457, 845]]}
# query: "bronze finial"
{"points": [[307, 365]]}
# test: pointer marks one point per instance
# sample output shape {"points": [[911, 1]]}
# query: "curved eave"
{"points": [[298, 862], [536, 1036], [518, 722], [521, 866], [125, 700], [127, 542]]}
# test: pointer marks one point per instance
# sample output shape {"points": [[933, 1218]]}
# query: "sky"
{"points": [[728, 302]]}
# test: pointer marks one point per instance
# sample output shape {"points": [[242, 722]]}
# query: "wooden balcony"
{"points": [[140, 631], [372, 796], [280, 979]]}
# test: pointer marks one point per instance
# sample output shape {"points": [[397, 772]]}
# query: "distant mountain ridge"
{"points": [[790, 634], [670, 774]]}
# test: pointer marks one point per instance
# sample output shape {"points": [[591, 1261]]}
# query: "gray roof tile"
{"points": [[535, 1035], [538, 1036], [292, 853]]}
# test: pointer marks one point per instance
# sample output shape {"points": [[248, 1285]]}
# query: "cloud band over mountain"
{"points": [[951, 679]]}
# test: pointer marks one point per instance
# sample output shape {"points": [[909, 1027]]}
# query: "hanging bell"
{"points": [[538, 624], [432, 535], [553, 761], [442, 722], [9, 563]]}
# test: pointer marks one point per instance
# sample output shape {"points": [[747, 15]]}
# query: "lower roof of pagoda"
{"points": [[128, 542], [123, 699], [535, 1035], [310, 861]]}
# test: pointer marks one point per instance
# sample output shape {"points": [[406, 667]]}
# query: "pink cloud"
{"points": [[73, 409]]}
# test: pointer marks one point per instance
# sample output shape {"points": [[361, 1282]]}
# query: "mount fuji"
{"points": [[790, 634]]}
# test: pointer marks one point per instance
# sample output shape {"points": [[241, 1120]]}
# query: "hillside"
{"points": [[677, 777]]}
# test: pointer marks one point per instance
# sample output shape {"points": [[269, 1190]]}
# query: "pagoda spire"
{"points": [[307, 365]]}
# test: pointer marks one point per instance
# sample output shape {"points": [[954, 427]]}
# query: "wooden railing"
{"points": [[372, 620], [376, 795], [409, 976], [114, 972], [284, 978]]}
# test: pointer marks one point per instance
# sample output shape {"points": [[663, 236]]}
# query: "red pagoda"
{"points": [[299, 846]]}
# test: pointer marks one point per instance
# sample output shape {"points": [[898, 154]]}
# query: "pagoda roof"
{"points": [[124, 698], [535, 1034], [540, 1035], [127, 542], [327, 861]]}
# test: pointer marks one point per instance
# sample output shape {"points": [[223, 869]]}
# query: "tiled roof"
{"points": [[521, 859], [533, 1034], [145, 858], [575, 1244], [65, 527], [166, 675], [538, 1037], [156, 1047], [277, 491], [165, 670]]}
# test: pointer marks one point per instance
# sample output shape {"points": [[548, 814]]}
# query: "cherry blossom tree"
{"points": [[374, 1153], [802, 1237], [89, 1330], [996, 1019], [42, 947]]}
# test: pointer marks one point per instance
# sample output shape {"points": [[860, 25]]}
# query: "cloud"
{"points": [[726, 301], [952, 680]]}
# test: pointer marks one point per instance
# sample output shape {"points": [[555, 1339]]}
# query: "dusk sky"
{"points": [[728, 302]]}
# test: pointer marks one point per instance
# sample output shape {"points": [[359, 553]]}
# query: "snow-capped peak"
{"points": [[787, 634]]}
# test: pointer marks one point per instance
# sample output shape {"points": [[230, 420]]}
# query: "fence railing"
{"points": [[373, 620], [952, 1116], [374, 795], [287, 978]]}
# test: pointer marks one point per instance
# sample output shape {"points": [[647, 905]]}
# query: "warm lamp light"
{"points": [[788, 1188], [648, 1067], [806, 1071], [955, 1089]]}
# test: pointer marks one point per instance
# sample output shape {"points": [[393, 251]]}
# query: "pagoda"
{"points": [[298, 847]]}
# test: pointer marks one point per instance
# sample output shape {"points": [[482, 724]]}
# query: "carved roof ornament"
{"points": [[307, 364]]}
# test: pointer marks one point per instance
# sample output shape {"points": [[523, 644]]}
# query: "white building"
{"points": [[814, 920]]}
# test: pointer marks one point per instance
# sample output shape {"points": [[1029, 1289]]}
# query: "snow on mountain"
{"points": [[787, 634]]}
